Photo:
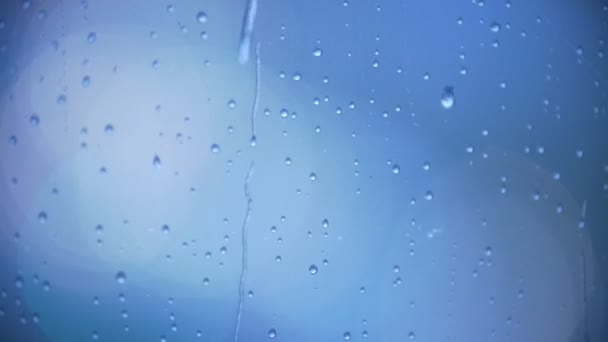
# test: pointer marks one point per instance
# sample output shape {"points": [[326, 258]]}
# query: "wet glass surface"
{"points": [[313, 170]]}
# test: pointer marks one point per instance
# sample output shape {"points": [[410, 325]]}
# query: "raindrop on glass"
{"points": [[201, 17], [121, 277], [447, 97], [313, 269]]}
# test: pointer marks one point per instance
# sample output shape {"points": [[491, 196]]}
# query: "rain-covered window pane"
{"points": [[314, 170]]}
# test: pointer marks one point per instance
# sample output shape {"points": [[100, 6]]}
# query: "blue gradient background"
{"points": [[529, 288]]}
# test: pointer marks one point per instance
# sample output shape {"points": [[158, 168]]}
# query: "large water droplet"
{"points": [[313, 269], [201, 17], [272, 333]]}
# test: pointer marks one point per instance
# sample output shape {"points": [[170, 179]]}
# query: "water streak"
{"points": [[585, 314], [243, 278], [256, 97], [247, 31]]}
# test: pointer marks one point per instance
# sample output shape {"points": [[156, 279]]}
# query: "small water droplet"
{"points": [[86, 81], [42, 217], [396, 169], [61, 99], [347, 336], [121, 277], [156, 162], [34, 120], [92, 38], [317, 52], [215, 148], [231, 104], [312, 176], [108, 129]]}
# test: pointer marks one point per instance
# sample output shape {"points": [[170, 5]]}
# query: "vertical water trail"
{"points": [[584, 212], [247, 30], [239, 313], [244, 47], [585, 313], [256, 96]]}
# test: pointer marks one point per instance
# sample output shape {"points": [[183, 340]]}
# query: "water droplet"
{"points": [[42, 217], [287, 161], [156, 162], [108, 129], [272, 333], [34, 120], [86, 81], [428, 195], [317, 52], [347, 336], [325, 223], [231, 104], [312, 176], [165, 228], [61, 99], [215, 148], [92, 38], [488, 251], [201, 17], [411, 335], [495, 27], [447, 98], [396, 169], [121, 277], [313, 269]]}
